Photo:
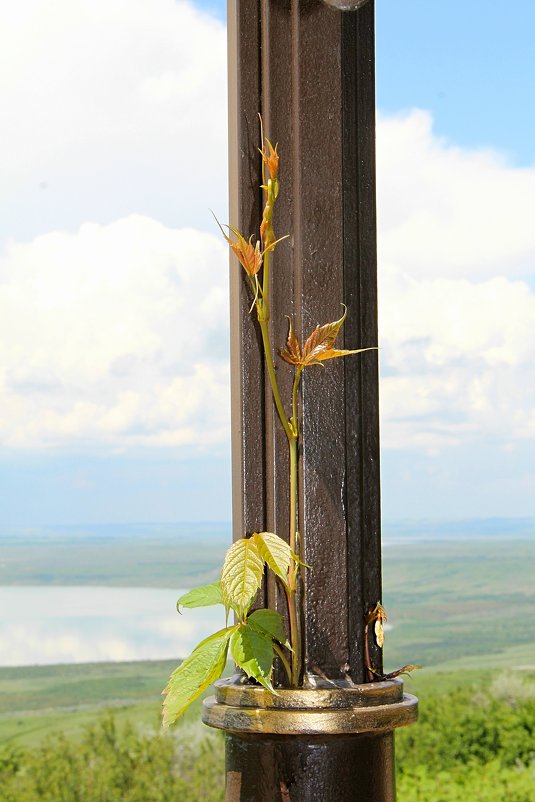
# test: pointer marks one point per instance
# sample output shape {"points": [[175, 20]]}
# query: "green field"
{"points": [[463, 609], [453, 604], [166, 556], [39, 700], [91, 732], [468, 604]]}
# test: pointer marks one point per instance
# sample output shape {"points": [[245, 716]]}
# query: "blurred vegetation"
{"points": [[475, 742], [465, 609], [115, 764]]}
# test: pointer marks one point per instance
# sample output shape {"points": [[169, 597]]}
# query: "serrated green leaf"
{"points": [[275, 552], [204, 665], [242, 574], [252, 651], [205, 596], [268, 622]]}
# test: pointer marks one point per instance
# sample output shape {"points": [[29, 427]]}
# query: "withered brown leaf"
{"points": [[403, 670]]}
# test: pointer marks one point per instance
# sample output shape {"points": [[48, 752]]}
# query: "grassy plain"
{"points": [[470, 604], [151, 556], [463, 608], [39, 700]]}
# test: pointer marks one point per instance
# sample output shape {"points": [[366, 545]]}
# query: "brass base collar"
{"points": [[329, 710]]}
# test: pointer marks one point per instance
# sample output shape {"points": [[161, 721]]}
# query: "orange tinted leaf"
{"points": [[270, 158], [292, 352], [320, 345], [322, 339], [249, 256], [332, 353]]}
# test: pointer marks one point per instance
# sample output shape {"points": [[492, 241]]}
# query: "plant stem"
{"points": [[291, 429], [293, 505], [283, 660], [265, 276], [295, 417], [367, 658], [271, 373], [292, 574]]}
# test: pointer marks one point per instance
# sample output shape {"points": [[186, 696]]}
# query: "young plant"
{"points": [[258, 637]]}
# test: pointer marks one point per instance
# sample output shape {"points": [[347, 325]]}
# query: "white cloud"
{"points": [[449, 211], [110, 107], [459, 360], [116, 333], [109, 331], [456, 328]]}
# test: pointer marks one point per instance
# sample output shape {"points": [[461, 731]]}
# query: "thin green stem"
{"points": [[291, 434], [292, 574], [273, 378], [293, 497], [295, 638], [295, 418], [283, 660], [265, 275], [291, 428]]}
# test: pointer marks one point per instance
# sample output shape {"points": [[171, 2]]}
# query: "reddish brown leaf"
{"points": [[292, 352], [321, 341], [249, 256], [332, 353], [319, 346], [271, 159]]}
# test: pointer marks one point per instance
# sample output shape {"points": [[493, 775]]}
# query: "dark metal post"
{"points": [[308, 67]]}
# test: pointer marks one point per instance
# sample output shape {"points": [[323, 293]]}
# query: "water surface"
{"points": [[79, 624]]}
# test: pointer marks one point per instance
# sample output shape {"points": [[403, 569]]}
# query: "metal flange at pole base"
{"points": [[330, 744]]}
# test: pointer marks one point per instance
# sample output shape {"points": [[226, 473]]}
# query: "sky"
{"points": [[114, 376]]}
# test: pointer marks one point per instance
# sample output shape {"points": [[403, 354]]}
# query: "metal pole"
{"points": [[308, 67]]}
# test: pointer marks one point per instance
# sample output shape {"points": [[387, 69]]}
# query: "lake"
{"points": [[42, 625]]}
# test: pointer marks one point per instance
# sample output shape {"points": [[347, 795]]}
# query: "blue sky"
{"points": [[470, 63], [113, 282]]}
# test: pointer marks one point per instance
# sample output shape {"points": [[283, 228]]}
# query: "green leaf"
{"points": [[205, 596], [268, 622], [204, 665], [276, 552], [242, 574], [252, 651]]}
